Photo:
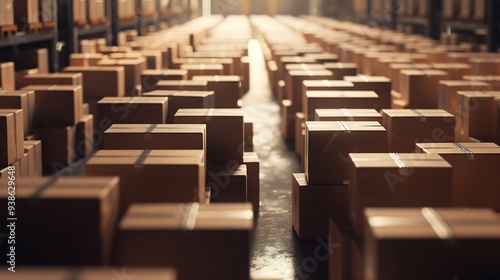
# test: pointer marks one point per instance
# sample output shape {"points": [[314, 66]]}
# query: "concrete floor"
{"points": [[276, 250]]}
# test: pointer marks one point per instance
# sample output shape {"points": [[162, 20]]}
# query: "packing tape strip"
{"points": [[438, 224], [209, 114], [344, 127], [470, 154], [347, 114], [327, 83], [190, 214], [397, 159], [132, 100], [140, 160], [149, 131], [76, 274], [45, 186], [422, 117]]}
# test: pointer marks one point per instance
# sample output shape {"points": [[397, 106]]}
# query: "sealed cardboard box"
{"points": [[215, 236], [34, 148], [340, 70], [448, 92], [456, 71], [32, 273], [313, 206], [178, 99], [227, 89], [182, 174], [397, 180], [251, 160], [24, 100], [294, 85], [188, 85], [71, 79], [338, 100], [477, 115], [328, 144], [300, 135], [84, 136], [420, 88], [7, 80], [155, 137], [90, 210], [248, 133], [396, 69], [57, 105], [225, 132], [485, 66], [86, 59], [99, 82], [492, 80], [30, 160], [133, 70], [380, 85], [366, 115], [287, 120], [456, 243], [24, 167], [8, 141], [326, 85], [58, 145], [202, 69], [132, 110], [475, 180], [227, 63], [345, 259], [150, 78], [406, 127], [227, 183]]}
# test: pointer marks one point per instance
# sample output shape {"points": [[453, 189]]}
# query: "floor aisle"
{"points": [[276, 250]]}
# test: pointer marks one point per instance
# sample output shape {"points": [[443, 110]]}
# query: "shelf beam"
{"points": [[492, 8], [434, 10]]}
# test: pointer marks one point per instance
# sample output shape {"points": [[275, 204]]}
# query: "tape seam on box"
{"points": [[470, 154], [142, 158], [45, 186], [347, 114], [438, 224], [397, 159], [189, 217], [422, 116]]}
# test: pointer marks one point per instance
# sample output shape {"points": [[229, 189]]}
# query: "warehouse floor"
{"points": [[276, 250]]}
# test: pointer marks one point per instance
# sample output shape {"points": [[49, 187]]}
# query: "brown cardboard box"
{"points": [[345, 260], [448, 92], [24, 100], [31, 160], [88, 46], [58, 145], [57, 105], [303, 66], [228, 184], [227, 63], [328, 144], [456, 71], [99, 82], [378, 84], [7, 80], [182, 174], [485, 66], [325, 85], [435, 55], [397, 180], [477, 115], [155, 137], [215, 236], [338, 100], [32, 273], [406, 127], [8, 139], [492, 80], [480, 11], [248, 134], [300, 135], [475, 180], [366, 115], [24, 167], [133, 70], [34, 148], [25, 12], [150, 78], [227, 89], [466, 8], [8, 171], [85, 109], [87, 206], [324, 57], [184, 99], [396, 69], [202, 69], [340, 70], [383, 64], [72, 79], [313, 206], [420, 88], [251, 160], [294, 85], [456, 243], [245, 75], [225, 132], [188, 85], [132, 110], [84, 137], [287, 120], [86, 59]]}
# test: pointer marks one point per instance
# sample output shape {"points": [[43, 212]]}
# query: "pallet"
{"points": [[35, 27], [7, 30], [49, 26]]}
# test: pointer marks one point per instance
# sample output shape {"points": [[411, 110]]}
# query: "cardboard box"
{"points": [[155, 137], [480, 11], [227, 63], [406, 127], [396, 69], [8, 140], [34, 150], [86, 59], [338, 100], [29, 160], [294, 85], [397, 180], [313, 206], [420, 88], [245, 75], [251, 160], [448, 92], [7, 13], [87, 206], [216, 236], [187, 85], [475, 183], [26, 12], [7, 79], [24, 100], [228, 184], [300, 134], [72, 79], [57, 105], [182, 174], [96, 10], [133, 70], [492, 80], [99, 82], [132, 110], [150, 78], [328, 144], [287, 120], [202, 69], [225, 132], [58, 145], [227, 89], [248, 134], [24, 167], [184, 99], [477, 115], [485, 66], [456, 71], [455, 242], [380, 85], [366, 115], [345, 260], [84, 136], [31, 273], [340, 70]]}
